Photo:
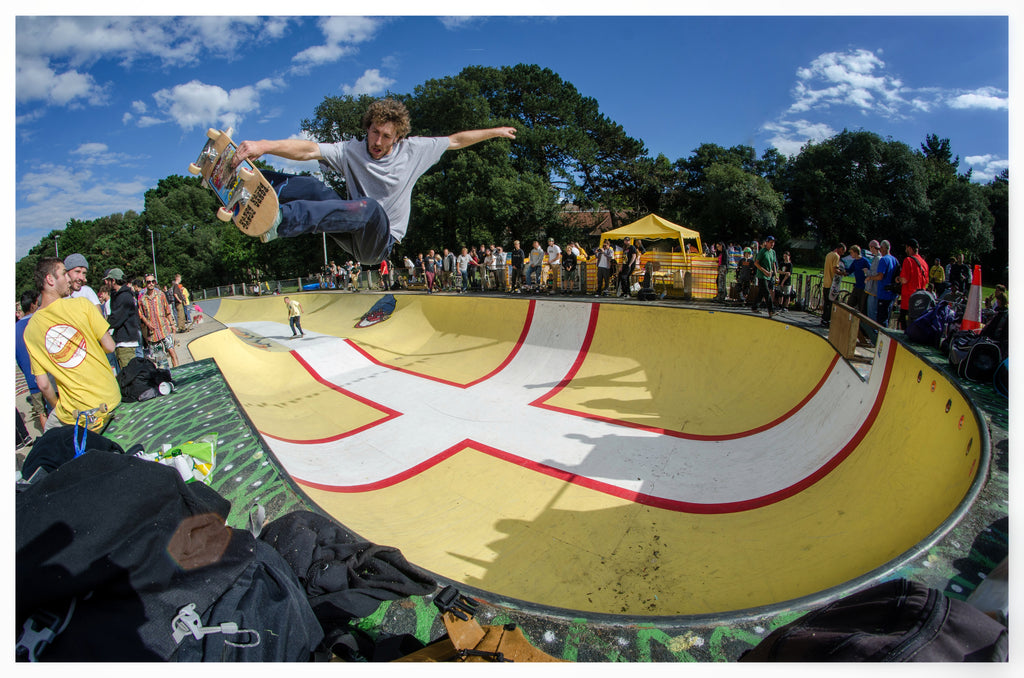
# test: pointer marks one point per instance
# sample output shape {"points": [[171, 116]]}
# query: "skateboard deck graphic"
{"points": [[246, 197]]}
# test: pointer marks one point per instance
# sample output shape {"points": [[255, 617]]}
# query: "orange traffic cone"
{"points": [[972, 314]]}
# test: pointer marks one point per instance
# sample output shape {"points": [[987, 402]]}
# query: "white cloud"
{"points": [[94, 153], [456, 22], [35, 81], [83, 40], [858, 81], [855, 79], [790, 136], [51, 53], [196, 104], [985, 97], [55, 194], [986, 167], [370, 82], [341, 34], [92, 148]]}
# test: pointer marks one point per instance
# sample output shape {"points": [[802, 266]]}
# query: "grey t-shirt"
{"points": [[389, 180]]}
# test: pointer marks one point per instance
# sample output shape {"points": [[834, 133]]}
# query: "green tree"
{"points": [[996, 262], [856, 186], [726, 193], [959, 218], [737, 205], [565, 139]]}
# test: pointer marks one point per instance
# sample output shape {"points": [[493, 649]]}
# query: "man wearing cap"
{"points": [[745, 274], [913, 277], [77, 271], [155, 313], [123, 318], [68, 340], [767, 269]]}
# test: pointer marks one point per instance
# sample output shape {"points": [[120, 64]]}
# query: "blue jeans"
{"points": [[294, 323], [308, 205], [871, 311], [884, 309], [533, 275]]}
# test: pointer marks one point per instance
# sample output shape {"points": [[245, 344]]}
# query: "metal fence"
{"points": [[693, 279]]}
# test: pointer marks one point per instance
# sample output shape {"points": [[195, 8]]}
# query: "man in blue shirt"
{"points": [[858, 267], [888, 268], [37, 404]]}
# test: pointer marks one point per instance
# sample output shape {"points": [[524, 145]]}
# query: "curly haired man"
{"points": [[380, 172]]}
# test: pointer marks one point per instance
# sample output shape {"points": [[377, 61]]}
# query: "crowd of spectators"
{"points": [[554, 269], [71, 341]]}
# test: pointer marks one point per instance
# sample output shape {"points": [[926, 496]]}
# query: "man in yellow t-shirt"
{"points": [[68, 339], [294, 316]]}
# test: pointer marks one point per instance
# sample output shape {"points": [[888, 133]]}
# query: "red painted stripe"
{"points": [[542, 403], [504, 363], [387, 411], [630, 495]]}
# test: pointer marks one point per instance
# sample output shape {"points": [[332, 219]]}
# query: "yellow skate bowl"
{"points": [[606, 459]]}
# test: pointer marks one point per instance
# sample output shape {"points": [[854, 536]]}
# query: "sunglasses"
{"points": [[150, 281]]}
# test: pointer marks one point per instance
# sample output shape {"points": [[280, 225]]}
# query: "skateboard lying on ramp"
{"points": [[246, 197]]}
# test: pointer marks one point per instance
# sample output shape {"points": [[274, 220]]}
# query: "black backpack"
{"points": [[897, 621], [981, 361], [118, 559], [920, 302], [140, 380]]}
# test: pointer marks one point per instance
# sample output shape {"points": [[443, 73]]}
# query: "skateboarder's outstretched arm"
{"points": [[290, 149], [470, 137], [304, 149]]}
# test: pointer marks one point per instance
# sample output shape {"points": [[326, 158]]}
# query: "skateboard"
{"points": [[246, 197]]}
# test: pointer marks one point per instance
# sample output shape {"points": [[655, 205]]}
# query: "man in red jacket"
{"points": [[913, 277]]}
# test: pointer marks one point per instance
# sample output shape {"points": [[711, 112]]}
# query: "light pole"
{"points": [[56, 245], [152, 243]]}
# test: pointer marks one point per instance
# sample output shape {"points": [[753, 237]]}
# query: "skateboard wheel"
{"points": [[213, 134], [246, 174], [194, 168], [224, 214]]}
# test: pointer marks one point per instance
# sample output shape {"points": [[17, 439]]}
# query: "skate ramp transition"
{"points": [[607, 458]]}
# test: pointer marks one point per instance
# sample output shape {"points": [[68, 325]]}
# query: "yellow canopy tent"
{"points": [[653, 227]]}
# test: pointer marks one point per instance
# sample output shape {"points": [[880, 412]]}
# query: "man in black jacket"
{"points": [[517, 258], [123, 318]]}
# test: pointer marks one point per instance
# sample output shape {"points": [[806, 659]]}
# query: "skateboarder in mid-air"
{"points": [[379, 172]]}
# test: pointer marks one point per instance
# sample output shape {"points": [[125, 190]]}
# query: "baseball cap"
{"points": [[747, 250], [912, 242], [74, 261], [771, 237], [114, 274]]}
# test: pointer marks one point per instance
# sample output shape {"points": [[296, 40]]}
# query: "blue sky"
{"points": [[107, 106]]}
